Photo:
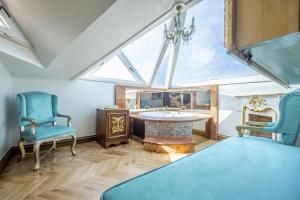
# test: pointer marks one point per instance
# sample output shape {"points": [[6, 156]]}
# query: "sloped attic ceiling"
{"points": [[203, 61], [122, 21], [51, 25]]}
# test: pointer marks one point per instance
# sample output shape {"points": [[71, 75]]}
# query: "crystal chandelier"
{"points": [[179, 31]]}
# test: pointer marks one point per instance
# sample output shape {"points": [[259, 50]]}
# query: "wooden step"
{"points": [[162, 144]]}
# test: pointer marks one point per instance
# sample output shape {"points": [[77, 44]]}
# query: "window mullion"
{"points": [[132, 70], [175, 56], [161, 55]]}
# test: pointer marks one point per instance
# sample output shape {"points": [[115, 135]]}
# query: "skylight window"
{"points": [[161, 78], [3, 23], [151, 61], [9, 29], [205, 58], [143, 52], [113, 69]]}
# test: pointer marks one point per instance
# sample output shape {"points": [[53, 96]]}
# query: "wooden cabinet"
{"points": [[112, 126], [249, 22], [258, 31], [262, 20]]}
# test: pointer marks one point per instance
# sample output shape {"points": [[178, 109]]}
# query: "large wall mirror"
{"points": [[165, 99], [140, 98]]}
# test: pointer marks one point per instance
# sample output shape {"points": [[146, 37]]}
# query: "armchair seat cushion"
{"points": [[47, 131]]}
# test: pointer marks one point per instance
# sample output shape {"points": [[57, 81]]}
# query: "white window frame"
{"points": [[171, 69], [12, 32]]}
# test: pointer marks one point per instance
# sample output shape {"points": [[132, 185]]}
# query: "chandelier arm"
{"points": [[175, 21], [187, 33], [179, 21], [169, 35]]}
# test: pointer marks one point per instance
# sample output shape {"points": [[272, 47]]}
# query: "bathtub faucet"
{"points": [[147, 108], [181, 108]]}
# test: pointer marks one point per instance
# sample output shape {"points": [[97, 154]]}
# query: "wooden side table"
{"points": [[112, 127]]}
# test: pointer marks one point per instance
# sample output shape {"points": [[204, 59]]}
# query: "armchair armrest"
{"points": [[250, 128], [65, 116], [265, 129], [33, 124], [260, 124]]}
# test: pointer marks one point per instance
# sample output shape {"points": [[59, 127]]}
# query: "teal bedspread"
{"points": [[236, 168]]}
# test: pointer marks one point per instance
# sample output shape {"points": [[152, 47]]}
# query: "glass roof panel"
{"points": [[114, 69], [143, 52], [2, 23], [161, 77], [205, 58], [3, 19]]}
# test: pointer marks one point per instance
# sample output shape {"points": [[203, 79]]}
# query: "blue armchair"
{"points": [[37, 112], [288, 124]]}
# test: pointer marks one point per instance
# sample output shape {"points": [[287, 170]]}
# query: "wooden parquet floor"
{"points": [[85, 176]]}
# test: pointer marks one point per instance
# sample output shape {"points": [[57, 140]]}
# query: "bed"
{"points": [[244, 168]]}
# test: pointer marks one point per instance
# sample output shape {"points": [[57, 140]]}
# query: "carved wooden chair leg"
{"points": [[22, 149], [239, 130], [54, 145], [73, 145], [36, 150]]}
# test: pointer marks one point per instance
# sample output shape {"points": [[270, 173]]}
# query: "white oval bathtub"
{"points": [[169, 116]]}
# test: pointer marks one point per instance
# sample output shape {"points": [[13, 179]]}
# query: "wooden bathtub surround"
{"points": [[214, 108], [160, 144]]}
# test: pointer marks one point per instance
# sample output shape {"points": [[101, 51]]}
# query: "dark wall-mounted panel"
{"points": [[261, 20], [265, 34]]}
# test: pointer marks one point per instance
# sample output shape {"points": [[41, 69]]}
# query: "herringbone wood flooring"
{"points": [[85, 176]]}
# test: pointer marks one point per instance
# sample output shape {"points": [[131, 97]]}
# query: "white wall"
{"points": [[5, 105], [230, 115], [80, 99]]}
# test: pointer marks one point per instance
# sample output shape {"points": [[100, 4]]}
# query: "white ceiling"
{"points": [[50, 25]]}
